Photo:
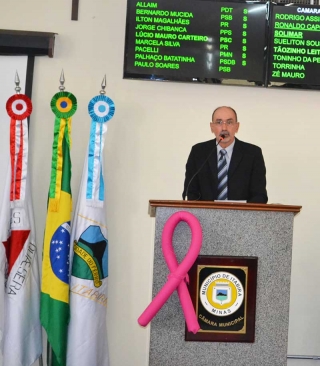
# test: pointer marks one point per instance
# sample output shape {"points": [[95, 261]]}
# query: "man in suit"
{"points": [[242, 172]]}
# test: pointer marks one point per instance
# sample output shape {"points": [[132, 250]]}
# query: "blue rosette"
{"points": [[101, 108]]}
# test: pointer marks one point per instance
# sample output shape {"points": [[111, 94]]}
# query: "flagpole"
{"points": [[18, 89], [49, 354], [89, 248], [54, 305], [49, 348], [22, 325]]}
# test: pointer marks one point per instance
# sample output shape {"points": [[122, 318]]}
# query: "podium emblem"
{"points": [[223, 292]]}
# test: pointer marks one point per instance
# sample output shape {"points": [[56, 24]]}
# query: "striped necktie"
{"points": [[222, 176]]}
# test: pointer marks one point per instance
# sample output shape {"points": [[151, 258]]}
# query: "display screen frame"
{"points": [[289, 83], [129, 73]]}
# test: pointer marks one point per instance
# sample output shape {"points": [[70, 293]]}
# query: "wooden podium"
{"points": [[229, 229]]}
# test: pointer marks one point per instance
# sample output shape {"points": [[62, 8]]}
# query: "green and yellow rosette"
{"points": [[64, 106]]}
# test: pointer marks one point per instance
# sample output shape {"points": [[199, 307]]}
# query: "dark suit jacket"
{"points": [[246, 174]]}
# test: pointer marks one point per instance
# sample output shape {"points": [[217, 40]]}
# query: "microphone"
{"points": [[222, 137]]}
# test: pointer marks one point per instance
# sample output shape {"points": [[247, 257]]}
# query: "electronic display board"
{"points": [[187, 40], [294, 53]]}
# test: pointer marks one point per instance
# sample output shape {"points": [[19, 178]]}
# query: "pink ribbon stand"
{"points": [[178, 273]]}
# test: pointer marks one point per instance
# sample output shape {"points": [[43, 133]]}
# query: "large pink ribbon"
{"points": [[178, 273]]}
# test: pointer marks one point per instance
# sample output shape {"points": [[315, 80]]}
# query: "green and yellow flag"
{"points": [[54, 310]]}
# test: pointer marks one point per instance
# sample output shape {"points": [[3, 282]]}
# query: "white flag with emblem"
{"points": [[87, 336], [21, 343], [21, 329]]}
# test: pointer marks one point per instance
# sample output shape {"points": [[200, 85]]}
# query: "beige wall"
{"points": [[147, 145]]}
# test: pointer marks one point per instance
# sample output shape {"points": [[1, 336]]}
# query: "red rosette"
{"points": [[19, 107]]}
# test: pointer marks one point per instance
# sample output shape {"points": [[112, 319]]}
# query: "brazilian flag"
{"points": [[54, 309]]}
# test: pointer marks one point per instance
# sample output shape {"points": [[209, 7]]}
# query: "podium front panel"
{"points": [[263, 234]]}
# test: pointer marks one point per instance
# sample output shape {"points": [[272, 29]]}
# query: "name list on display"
{"points": [[159, 36], [176, 37], [295, 53]]}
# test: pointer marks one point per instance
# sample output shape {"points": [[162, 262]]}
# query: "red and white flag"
{"points": [[21, 342]]}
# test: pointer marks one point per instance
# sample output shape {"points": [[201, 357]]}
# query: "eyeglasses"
{"points": [[228, 122]]}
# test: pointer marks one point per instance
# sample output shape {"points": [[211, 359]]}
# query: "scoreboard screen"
{"points": [[188, 40], [294, 53], [243, 43]]}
